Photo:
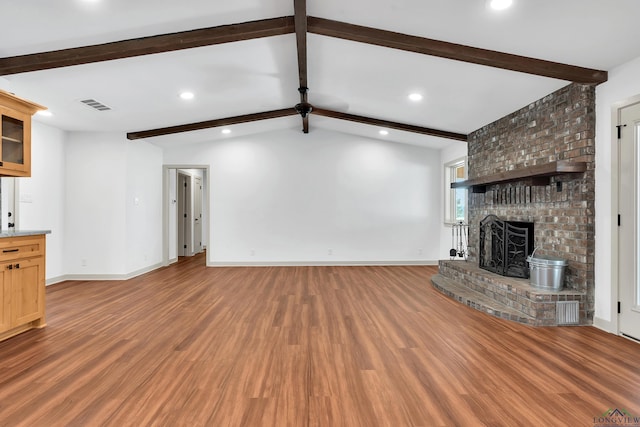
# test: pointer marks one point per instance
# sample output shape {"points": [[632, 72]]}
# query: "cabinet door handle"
{"points": [[10, 267], [17, 265], [10, 250]]}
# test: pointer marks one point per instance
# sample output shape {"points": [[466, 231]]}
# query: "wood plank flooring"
{"points": [[188, 345]]}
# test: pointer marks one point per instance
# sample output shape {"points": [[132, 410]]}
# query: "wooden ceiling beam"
{"points": [[300, 20], [389, 124], [228, 121], [286, 25], [147, 45], [458, 52]]}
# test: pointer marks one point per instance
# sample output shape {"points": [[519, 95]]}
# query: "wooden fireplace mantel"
{"points": [[539, 175]]}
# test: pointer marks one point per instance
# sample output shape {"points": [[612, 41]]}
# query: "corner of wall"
{"points": [[605, 325]]}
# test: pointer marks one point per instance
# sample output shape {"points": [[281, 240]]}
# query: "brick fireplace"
{"points": [[557, 130]]}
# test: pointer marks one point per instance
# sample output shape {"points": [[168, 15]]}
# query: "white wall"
{"points": [[453, 152], [287, 197], [144, 205], [623, 84], [106, 233], [95, 203], [41, 197]]}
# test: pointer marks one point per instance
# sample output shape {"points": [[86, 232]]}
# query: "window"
{"points": [[455, 200]]}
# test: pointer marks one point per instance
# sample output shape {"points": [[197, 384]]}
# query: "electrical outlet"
{"points": [[253, 252], [420, 251], [83, 262], [330, 251]]}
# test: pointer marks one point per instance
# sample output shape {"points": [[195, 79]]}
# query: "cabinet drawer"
{"points": [[12, 248]]}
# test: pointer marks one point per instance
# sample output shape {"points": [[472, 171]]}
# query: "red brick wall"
{"points": [[560, 126]]}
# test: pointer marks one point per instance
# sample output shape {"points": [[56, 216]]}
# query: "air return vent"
{"points": [[95, 104], [568, 312]]}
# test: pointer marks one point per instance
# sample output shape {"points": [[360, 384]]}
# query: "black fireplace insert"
{"points": [[505, 246]]}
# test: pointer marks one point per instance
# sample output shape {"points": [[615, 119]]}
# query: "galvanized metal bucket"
{"points": [[546, 272]]}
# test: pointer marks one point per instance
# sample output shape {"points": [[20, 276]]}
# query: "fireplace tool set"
{"points": [[459, 241]]}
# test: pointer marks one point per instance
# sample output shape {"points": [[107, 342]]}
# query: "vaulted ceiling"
{"points": [[350, 71]]}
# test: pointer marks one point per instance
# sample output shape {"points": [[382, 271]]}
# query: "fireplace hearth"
{"points": [[505, 246]]}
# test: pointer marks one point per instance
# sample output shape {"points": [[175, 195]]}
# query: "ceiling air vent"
{"points": [[95, 104]]}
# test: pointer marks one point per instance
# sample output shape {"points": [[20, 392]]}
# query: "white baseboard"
{"points": [[317, 263], [54, 280], [104, 276], [65, 277], [605, 325]]}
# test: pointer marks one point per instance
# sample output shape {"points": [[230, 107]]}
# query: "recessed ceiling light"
{"points": [[186, 95], [500, 4], [415, 97], [226, 131], [383, 132], [45, 113]]}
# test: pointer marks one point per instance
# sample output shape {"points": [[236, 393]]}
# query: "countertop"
{"points": [[20, 233]]}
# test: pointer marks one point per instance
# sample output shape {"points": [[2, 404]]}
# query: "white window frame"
{"points": [[450, 169]]}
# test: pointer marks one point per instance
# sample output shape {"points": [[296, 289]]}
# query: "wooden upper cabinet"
{"points": [[15, 128]]}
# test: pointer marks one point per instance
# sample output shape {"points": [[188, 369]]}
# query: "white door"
{"points": [[629, 221], [197, 215]]}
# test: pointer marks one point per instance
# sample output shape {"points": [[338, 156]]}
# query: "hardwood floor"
{"points": [[188, 345]]}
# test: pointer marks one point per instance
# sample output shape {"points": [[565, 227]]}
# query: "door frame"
{"points": [[166, 203], [198, 194], [14, 184], [615, 209]]}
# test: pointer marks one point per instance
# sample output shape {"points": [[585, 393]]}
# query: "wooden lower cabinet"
{"points": [[22, 284], [5, 301]]}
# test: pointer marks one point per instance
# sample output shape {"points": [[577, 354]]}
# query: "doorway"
{"points": [[629, 221], [185, 211]]}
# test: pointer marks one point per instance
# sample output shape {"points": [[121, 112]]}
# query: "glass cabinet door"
{"points": [[15, 146], [15, 134], [12, 141]]}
